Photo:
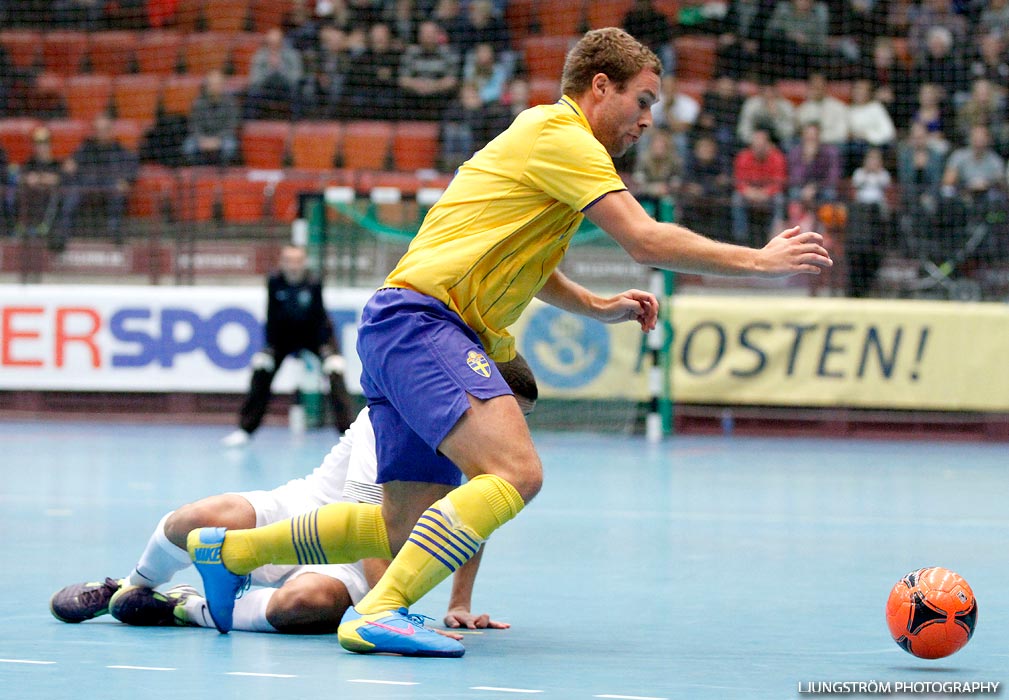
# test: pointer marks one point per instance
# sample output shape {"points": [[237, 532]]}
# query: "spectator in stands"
{"points": [[296, 322], [814, 170], [402, 16], [869, 125], [987, 108], [995, 17], [990, 61], [676, 111], [101, 170], [88, 15], [514, 101], [919, 173], [489, 74], [652, 28], [365, 12], [934, 114], [796, 37], [824, 109], [975, 170], [719, 115], [707, 186], [428, 74], [305, 23], [274, 79], [213, 125], [931, 14], [479, 25], [940, 65], [38, 186], [448, 15], [659, 168], [770, 111], [742, 36], [372, 84], [759, 176], [333, 65], [893, 85], [868, 223], [465, 128], [863, 21]]}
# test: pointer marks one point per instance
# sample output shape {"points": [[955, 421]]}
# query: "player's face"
{"points": [[624, 115]]}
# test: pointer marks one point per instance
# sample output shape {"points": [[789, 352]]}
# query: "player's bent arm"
{"points": [[675, 247], [632, 305], [460, 602]]}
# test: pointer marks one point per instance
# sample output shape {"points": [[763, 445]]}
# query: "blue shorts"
{"points": [[420, 360]]}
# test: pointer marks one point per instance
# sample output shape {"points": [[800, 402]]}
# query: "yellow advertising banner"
{"points": [[788, 352]]}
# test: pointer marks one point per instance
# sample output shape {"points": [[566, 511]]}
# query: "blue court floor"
{"points": [[703, 568]]}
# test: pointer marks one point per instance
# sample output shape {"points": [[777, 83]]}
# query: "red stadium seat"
{"points": [[243, 201], [607, 13], [366, 145], [23, 47], [158, 52], [128, 133], [545, 55], [16, 138], [670, 8], [88, 95], [315, 145], [178, 93], [544, 91], [67, 135], [695, 57], [112, 53], [196, 194], [204, 52], [264, 143], [63, 52], [189, 15], [243, 48], [226, 15], [520, 16], [136, 96], [415, 146], [152, 192], [285, 195], [561, 19], [267, 14]]}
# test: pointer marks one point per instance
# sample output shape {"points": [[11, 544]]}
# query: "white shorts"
{"points": [[287, 501]]}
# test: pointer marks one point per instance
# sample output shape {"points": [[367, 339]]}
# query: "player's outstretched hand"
{"points": [[463, 618], [792, 252], [632, 305]]}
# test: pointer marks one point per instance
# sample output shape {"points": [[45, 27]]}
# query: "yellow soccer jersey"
{"points": [[502, 226]]}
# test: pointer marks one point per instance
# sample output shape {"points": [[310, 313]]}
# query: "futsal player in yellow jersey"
{"points": [[438, 407]]}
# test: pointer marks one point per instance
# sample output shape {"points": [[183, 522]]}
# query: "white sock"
{"points": [[160, 561], [197, 612], [250, 611]]}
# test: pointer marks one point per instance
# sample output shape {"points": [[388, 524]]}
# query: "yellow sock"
{"points": [[339, 533], [446, 536]]}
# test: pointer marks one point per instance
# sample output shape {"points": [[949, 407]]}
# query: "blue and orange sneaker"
{"points": [[394, 632], [220, 585]]}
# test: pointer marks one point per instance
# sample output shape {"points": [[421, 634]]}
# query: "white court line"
{"points": [[25, 661], [629, 697], [143, 668], [504, 690], [260, 675], [377, 682]]}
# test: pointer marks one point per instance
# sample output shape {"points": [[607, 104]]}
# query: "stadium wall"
{"points": [[797, 364]]}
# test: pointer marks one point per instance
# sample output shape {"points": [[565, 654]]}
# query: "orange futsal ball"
{"points": [[931, 612]]}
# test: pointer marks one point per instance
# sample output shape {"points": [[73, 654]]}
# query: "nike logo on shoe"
{"points": [[406, 632]]}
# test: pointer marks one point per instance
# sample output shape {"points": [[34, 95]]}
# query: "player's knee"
{"points": [[525, 475], [227, 510], [310, 604]]}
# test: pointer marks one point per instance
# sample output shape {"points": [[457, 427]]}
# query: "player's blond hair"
{"points": [[611, 51]]}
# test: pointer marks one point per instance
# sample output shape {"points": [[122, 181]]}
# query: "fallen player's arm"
{"points": [[460, 602], [673, 247]]}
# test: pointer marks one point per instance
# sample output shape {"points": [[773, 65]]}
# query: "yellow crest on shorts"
{"points": [[478, 363]]}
